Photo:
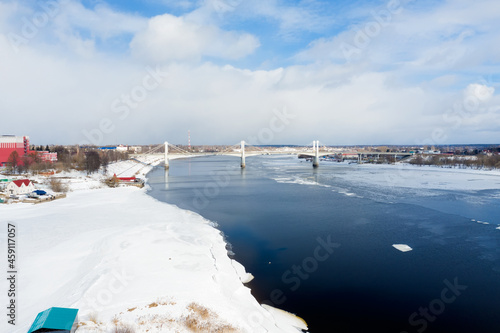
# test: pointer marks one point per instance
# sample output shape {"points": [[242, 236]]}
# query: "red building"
{"points": [[47, 156], [10, 143], [125, 179]]}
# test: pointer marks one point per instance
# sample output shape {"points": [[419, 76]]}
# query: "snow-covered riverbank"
{"points": [[126, 259]]}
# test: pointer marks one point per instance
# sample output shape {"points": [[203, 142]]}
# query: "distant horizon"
{"points": [[286, 145], [257, 145]]}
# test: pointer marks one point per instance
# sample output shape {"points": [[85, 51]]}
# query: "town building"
{"points": [[107, 148], [122, 148], [21, 186], [135, 149], [10, 143], [47, 156]]}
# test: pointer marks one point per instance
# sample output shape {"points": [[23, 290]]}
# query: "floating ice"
{"points": [[298, 180], [402, 247]]}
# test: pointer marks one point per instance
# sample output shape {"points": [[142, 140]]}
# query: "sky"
{"points": [[263, 71]]}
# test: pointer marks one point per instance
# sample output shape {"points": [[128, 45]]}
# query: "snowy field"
{"points": [[127, 260]]}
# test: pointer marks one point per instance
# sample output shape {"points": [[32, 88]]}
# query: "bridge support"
{"points": [[166, 156], [243, 164], [166, 179], [316, 154]]}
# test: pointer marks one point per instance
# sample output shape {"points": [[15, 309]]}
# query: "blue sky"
{"points": [[350, 72]]}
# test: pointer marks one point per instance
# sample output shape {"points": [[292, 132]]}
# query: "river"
{"points": [[319, 241]]}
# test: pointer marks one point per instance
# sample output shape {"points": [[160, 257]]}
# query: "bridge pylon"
{"points": [[166, 156], [243, 164], [316, 154]]}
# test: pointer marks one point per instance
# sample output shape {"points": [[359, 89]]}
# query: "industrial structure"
{"points": [[47, 156], [21, 144], [10, 143]]}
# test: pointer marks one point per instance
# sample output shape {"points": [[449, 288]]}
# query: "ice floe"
{"points": [[402, 247]]}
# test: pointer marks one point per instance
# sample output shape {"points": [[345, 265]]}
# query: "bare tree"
{"points": [[13, 161], [58, 186], [105, 162], [92, 162]]}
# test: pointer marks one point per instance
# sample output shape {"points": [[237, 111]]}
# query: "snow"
{"points": [[240, 270], [402, 247], [283, 318], [126, 259], [422, 177]]}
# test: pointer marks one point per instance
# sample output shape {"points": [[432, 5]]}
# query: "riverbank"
{"points": [[127, 260]]}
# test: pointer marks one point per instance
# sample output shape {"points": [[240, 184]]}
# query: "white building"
{"points": [[135, 149], [122, 148], [21, 186]]}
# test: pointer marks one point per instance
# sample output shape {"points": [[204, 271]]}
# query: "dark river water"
{"points": [[319, 241]]}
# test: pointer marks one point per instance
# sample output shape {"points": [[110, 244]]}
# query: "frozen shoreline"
{"points": [[125, 258]]}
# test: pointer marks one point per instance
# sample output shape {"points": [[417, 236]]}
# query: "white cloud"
{"points": [[65, 24], [481, 92], [448, 36], [182, 4], [284, 19], [101, 21], [397, 91], [168, 37], [292, 19]]}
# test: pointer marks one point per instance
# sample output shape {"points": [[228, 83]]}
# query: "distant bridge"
{"points": [[241, 150]]}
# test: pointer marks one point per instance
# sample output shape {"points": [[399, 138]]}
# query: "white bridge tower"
{"points": [[316, 154], [166, 155], [243, 164]]}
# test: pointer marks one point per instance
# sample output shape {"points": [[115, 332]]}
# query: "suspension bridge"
{"points": [[243, 151]]}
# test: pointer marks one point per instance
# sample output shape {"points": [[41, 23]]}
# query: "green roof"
{"points": [[55, 319]]}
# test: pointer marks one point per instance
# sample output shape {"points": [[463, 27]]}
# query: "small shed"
{"points": [[126, 179], [21, 186], [55, 320]]}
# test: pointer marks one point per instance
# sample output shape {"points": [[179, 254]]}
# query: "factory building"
{"points": [[10, 143]]}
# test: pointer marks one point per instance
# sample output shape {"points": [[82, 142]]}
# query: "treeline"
{"points": [[88, 160], [480, 161]]}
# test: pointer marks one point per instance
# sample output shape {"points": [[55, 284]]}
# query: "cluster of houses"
{"points": [[21, 187]]}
